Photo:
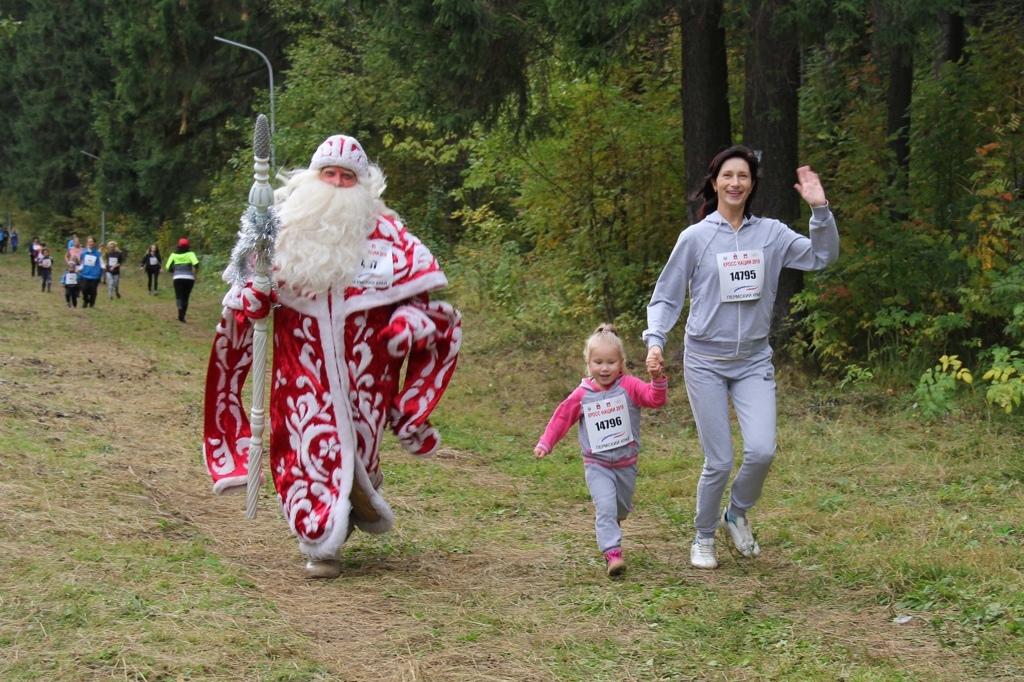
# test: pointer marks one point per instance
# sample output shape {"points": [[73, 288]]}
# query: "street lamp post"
{"points": [[270, 71], [103, 209]]}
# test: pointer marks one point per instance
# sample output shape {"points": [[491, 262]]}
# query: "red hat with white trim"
{"points": [[343, 151]]}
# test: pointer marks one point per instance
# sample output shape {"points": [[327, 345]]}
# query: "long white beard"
{"points": [[322, 238]]}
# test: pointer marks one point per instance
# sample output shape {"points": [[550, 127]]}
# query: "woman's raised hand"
{"points": [[809, 186]]}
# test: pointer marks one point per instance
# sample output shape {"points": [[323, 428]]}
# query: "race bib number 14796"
{"points": [[607, 423]]}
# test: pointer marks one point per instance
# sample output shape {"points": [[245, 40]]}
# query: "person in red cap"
{"points": [[351, 308], [182, 264]]}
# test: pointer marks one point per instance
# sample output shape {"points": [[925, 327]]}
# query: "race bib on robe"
{"points": [[46, 262], [89, 260], [740, 275], [111, 262], [607, 423], [377, 268], [152, 260], [71, 278]]}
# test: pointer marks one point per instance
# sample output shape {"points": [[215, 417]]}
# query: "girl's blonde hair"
{"points": [[605, 333]]}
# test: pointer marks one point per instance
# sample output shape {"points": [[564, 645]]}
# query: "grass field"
{"points": [[893, 549]]}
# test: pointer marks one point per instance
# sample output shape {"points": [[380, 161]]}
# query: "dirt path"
{"points": [[473, 584]]}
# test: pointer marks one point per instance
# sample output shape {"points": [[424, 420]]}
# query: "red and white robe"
{"points": [[334, 385]]}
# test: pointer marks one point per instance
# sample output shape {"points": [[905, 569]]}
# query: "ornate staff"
{"points": [[252, 255]]}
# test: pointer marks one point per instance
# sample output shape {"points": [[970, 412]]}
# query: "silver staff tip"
{"points": [[261, 138]]}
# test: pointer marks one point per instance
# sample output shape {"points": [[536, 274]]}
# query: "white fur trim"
{"points": [[230, 485], [387, 517], [379, 297], [337, 376]]}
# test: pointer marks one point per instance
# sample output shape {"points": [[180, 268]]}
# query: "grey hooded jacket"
{"points": [[733, 329]]}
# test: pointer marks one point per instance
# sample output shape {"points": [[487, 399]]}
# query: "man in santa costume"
{"points": [[351, 305]]}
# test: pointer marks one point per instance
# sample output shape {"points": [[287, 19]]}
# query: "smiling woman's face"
{"points": [[734, 184]]}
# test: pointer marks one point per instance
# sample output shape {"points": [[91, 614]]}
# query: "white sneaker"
{"points": [[741, 535], [702, 553]]}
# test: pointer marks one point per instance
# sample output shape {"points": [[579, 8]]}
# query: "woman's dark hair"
{"points": [[707, 190]]}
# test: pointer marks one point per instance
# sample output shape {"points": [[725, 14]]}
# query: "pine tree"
{"points": [[55, 70], [163, 130]]}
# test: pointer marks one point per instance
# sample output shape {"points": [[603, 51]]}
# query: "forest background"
{"points": [[545, 150]]}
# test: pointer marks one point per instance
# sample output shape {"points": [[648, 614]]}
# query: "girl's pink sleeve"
{"points": [[653, 394], [566, 414]]}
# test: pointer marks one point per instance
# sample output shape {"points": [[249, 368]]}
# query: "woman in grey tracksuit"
{"points": [[729, 263]]}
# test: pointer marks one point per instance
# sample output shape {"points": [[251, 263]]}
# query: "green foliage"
{"points": [[213, 222], [50, 118], [936, 389], [933, 269], [477, 62], [536, 147], [1003, 370], [468, 58], [1006, 379], [333, 86], [588, 211], [174, 91], [424, 162], [143, 87], [856, 374], [9, 25]]}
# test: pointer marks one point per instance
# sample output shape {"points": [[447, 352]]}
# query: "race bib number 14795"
{"points": [[740, 275]]}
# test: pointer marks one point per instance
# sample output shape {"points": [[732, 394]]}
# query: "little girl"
{"points": [[45, 269], [70, 281], [606, 406]]}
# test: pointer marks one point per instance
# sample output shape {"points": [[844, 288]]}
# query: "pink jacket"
{"points": [[640, 393]]}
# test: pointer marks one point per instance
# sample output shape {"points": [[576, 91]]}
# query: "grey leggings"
{"points": [[612, 493], [710, 383]]}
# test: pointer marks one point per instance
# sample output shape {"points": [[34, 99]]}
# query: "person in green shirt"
{"points": [[182, 264]]}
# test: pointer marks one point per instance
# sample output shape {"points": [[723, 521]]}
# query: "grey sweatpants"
{"points": [[113, 285], [612, 493], [750, 382]]}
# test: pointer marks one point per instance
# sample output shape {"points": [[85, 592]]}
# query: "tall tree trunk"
{"points": [[707, 127], [954, 36], [897, 102], [770, 126], [893, 51]]}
